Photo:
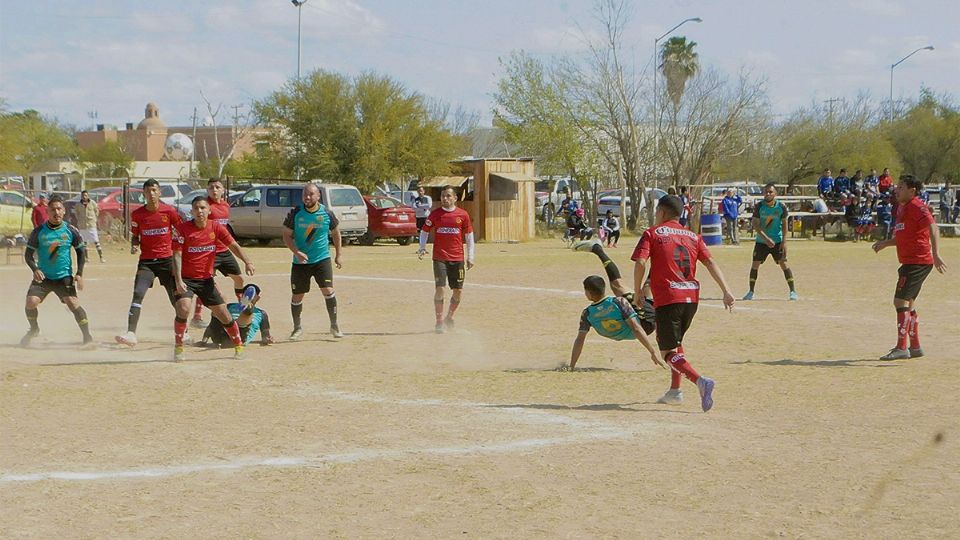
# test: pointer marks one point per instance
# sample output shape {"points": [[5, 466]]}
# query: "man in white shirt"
{"points": [[422, 205]]}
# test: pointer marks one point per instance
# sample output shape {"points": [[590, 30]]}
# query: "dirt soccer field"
{"points": [[397, 432]]}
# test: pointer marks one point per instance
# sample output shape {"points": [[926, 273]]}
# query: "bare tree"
{"points": [[242, 124]]}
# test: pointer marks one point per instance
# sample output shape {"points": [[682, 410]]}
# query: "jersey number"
{"points": [[681, 256], [611, 326]]}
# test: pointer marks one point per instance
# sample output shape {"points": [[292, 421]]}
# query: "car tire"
{"points": [[404, 240], [367, 239]]}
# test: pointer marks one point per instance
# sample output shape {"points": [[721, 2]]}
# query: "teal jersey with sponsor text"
{"points": [[609, 317], [236, 309], [52, 247], [311, 232], [771, 220]]}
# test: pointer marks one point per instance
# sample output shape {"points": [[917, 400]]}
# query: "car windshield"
{"points": [[383, 202], [345, 197]]}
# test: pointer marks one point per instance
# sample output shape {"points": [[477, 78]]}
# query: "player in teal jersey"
{"points": [[250, 320], [48, 256], [770, 224], [305, 233]]}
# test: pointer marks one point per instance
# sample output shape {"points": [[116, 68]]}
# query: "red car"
{"points": [[387, 218], [110, 201]]}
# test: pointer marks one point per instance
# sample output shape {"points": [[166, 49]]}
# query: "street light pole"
{"points": [[656, 110], [299, 4], [897, 63]]}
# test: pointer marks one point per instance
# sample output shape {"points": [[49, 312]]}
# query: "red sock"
{"points": [[679, 363], [234, 332], [903, 327], [179, 329], [438, 310], [454, 304], [198, 309], [914, 330], [675, 375]]}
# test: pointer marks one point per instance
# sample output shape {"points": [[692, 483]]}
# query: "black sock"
{"points": [[610, 267], [81, 316], [331, 302], [296, 310], [753, 278], [133, 318], [32, 315], [788, 274]]}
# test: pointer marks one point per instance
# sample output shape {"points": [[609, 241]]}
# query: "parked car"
{"points": [[612, 202], [173, 192], [15, 213], [110, 201], [185, 203], [260, 211], [388, 218]]}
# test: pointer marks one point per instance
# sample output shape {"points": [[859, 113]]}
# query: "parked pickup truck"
{"points": [[259, 213]]}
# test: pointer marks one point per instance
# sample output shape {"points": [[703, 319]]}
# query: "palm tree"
{"points": [[679, 62]]}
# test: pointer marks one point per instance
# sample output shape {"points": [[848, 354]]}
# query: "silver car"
{"points": [[259, 213]]}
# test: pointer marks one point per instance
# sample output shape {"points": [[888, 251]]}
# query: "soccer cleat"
{"points": [[705, 386], [102, 260], [296, 334], [28, 337], [178, 354], [794, 295], [129, 339], [896, 354], [674, 396], [246, 297], [915, 352], [335, 331], [198, 323], [748, 296], [439, 328], [448, 322], [238, 353], [585, 245], [88, 345]]}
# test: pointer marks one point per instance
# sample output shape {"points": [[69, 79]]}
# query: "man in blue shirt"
{"points": [[770, 222], [48, 256], [842, 183], [731, 211], [825, 183], [250, 320], [305, 233]]}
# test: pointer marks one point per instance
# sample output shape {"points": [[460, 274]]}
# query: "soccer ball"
{"points": [[178, 147]]}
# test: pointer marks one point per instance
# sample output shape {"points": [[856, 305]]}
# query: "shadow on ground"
{"points": [[858, 362]]}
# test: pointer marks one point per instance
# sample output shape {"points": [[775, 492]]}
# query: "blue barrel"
{"points": [[711, 230]]}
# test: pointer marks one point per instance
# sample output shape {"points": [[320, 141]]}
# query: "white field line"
{"points": [[582, 432]]}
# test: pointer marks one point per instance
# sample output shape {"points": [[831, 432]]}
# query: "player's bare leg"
{"points": [[438, 308], [677, 361], [237, 285], [454, 304], [330, 299]]}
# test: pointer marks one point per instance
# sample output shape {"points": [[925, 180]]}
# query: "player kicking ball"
{"points": [[916, 238], [193, 260], [250, 319], [452, 230], [48, 256], [673, 252]]}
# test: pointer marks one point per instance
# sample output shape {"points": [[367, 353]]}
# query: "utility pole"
{"points": [[236, 119], [830, 103]]}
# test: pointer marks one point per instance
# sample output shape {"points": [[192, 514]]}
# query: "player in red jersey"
{"points": [[151, 229], [451, 230], [673, 252], [193, 261], [225, 263], [916, 238]]}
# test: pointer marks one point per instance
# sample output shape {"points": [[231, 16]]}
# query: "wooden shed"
{"points": [[498, 194]]}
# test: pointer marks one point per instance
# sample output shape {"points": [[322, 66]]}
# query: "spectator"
{"points": [[422, 205], [850, 206], [687, 206], [871, 183], [671, 190], [86, 214], [611, 226], [568, 206], [865, 222], [884, 216], [885, 182], [825, 183], [39, 216], [956, 206], [577, 227], [855, 182], [842, 184], [731, 212], [820, 206]]}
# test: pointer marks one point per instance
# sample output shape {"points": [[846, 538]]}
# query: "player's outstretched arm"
{"points": [[717, 274], [577, 349], [935, 248], [642, 336]]}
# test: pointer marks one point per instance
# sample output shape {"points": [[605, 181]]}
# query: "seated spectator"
{"points": [[577, 227], [825, 184], [885, 182], [842, 184], [820, 206], [850, 204], [884, 216], [855, 182], [871, 183], [865, 222], [611, 228]]}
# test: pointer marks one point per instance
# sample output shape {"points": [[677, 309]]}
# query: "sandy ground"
{"points": [[397, 432]]}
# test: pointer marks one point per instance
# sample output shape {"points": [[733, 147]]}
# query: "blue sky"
{"points": [[67, 59]]}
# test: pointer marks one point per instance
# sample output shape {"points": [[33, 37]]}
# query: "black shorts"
{"points": [[300, 274], [761, 250], [420, 222], [448, 272], [645, 311], [673, 320], [227, 264], [910, 280], [63, 288], [205, 289], [161, 269], [217, 334]]}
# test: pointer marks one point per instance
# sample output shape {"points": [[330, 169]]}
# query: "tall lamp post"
{"points": [[656, 109], [299, 5], [897, 63]]}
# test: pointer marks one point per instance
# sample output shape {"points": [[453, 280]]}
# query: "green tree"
{"points": [[27, 139], [927, 138], [679, 63], [107, 160]]}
